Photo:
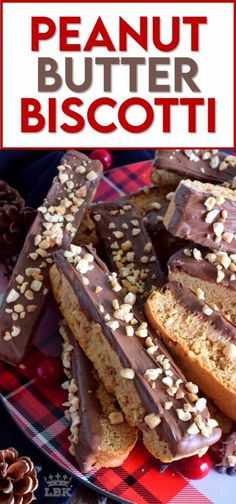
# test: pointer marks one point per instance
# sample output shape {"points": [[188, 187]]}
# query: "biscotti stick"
{"points": [[100, 436], [201, 340], [128, 248], [170, 166], [55, 226], [152, 202], [130, 361], [148, 198], [210, 273], [203, 213]]}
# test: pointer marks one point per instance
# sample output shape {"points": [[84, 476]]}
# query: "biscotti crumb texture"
{"points": [[211, 271], [197, 346]]}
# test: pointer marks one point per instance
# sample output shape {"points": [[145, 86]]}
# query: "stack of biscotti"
{"points": [[205, 214], [100, 437], [172, 166], [187, 311], [121, 378], [130, 360]]}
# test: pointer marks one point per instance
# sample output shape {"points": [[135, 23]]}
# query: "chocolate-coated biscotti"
{"points": [[171, 166], [100, 436], [201, 340], [55, 226], [203, 213], [129, 359], [152, 202], [210, 273], [128, 248]]}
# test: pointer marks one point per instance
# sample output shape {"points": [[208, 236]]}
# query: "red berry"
{"points": [[49, 371], [104, 156], [195, 467]]}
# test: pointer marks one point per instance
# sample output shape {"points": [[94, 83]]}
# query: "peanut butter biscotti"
{"points": [[132, 363], [127, 247], [170, 166], [212, 274], [153, 203], [54, 226], [149, 199], [203, 213], [200, 339], [100, 436]]}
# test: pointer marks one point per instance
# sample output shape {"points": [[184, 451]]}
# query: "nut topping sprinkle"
{"points": [[127, 373], [128, 247], [152, 420], [54, 226]]}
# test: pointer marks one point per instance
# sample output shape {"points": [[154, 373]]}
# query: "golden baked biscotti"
{"points": [[201, 340], [132, 363], [100, 436], [170, 166], [212, 272], [203, 213]]}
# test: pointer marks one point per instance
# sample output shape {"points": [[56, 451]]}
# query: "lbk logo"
{"points": [[58, 486]]}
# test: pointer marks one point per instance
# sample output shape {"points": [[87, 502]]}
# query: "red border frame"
{"points": [[106, 1]]}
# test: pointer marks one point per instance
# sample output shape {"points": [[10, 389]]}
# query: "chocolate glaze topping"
{"points": [[152, 204], [188, 218], [133, 354], [195, 305], [121, 231], [90, 430], [203, 269], [190, 164], [54, 226]]}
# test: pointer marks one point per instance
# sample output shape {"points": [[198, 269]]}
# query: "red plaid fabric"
{"points": [[39, 412]]}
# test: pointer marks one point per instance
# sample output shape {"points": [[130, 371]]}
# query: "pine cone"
{"points": [[18, 478], [15, 221], [8, 195]]}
